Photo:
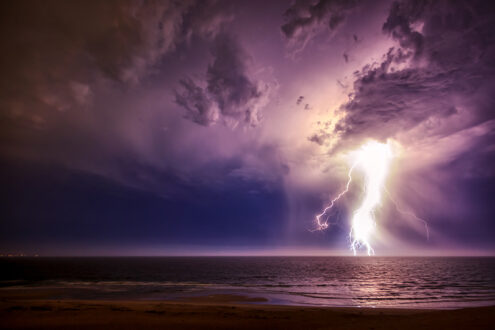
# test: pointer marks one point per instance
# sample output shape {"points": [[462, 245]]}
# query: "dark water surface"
{"points": [[419, 282]]}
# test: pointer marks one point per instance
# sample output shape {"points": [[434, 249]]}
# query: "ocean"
{"points": [[397, 282]]}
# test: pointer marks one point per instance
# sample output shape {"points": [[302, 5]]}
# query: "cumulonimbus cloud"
{"points": [[440, 72]]}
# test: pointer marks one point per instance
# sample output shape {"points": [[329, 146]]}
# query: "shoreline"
{"points": [[62, 293], [225, 312], [84, 293]]}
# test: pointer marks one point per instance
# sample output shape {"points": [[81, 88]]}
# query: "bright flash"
{"points": [[373, 159]]}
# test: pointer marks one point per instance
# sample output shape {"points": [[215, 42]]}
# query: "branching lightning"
{"points": [[409, 214], [373, 158], [322, 225]]}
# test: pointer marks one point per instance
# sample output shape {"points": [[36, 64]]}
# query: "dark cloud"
{"points": [[399, 24], [199, 105], [319, 138], [323, 135], [51, 57], [300, 100], [306, 19], [230, 93], [443, 70]]}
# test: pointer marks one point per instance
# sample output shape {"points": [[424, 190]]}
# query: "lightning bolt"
{"points": [[322, 225], [374, 159]]}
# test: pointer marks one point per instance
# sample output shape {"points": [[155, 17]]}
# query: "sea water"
{"points": [[407, 282]]}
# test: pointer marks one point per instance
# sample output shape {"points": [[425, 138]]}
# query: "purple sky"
{"points": [[203, 127]]}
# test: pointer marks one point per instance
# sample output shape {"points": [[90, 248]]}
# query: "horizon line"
{"points": [[244, 255]]}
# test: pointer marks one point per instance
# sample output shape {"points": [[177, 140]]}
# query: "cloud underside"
{"points": [[437, 81], [53, 58], [228, 93]]}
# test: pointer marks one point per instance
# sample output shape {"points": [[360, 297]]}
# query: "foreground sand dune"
{"points": [[225, 312]]}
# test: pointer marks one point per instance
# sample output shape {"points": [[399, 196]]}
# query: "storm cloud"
{"points": [[68, 87], [56, 58], [230, 94], [438, 80], [150, 123], [304, 20]]}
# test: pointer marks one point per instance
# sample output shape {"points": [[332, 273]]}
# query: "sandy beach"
{"points": [[224, 312]]}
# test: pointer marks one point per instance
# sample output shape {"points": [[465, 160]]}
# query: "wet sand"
{"points": [[223, 312]]}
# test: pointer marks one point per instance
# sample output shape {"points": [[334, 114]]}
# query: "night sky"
{"points": [[221, 127]]}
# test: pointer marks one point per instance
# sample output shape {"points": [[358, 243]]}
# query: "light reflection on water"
{"points": [[432, 282]]}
